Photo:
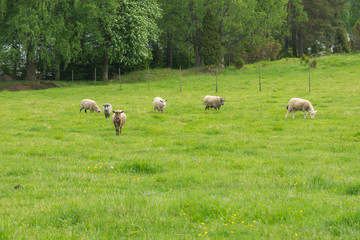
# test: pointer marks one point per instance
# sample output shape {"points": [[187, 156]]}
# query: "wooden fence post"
{"points": [[259, 79], [120, 78], [148, 79], [309, 80], [180, 79], [216, 79]]}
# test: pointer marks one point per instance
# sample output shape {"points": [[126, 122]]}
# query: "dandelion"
{"points": [[301, 211], [330, 227], [303, 182], [232, 231], [232, 222], [188, 204], [254, 221], [88, 167], [184, 214], [199, 234], [204, 227], [225, 224], [296, 235], [205, 233], [242, 222], [202, 223]]}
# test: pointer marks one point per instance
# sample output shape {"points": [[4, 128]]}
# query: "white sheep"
{"points": [[159, 104], [213, 102], [298, 104], [118, 119], [107, 109], [91, 105]]}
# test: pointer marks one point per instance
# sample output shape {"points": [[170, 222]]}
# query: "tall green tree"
{"points": [[120, 31], [210, 43], [39, 30]]}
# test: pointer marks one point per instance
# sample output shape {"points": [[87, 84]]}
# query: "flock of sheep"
{"points": [[119, 118]]}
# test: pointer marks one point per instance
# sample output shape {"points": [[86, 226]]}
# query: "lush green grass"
{"points": [[243, 172]]}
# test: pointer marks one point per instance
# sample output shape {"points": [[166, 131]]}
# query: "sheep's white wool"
{"points": [[213, 102], [298, 104], [91, 105], [159, 104]]}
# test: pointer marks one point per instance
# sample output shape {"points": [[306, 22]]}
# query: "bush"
{"points": [[305, 59], [313, 63], [341, 44], [355, 37], [239, 62]]}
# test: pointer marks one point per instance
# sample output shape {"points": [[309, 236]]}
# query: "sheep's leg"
{"points": [[117, 130], [206, 107], [287, 113], [304, 114], [120, 129], [81, 109], [292, 114]]}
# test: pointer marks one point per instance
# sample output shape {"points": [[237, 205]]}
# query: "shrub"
{"points": [[305, 59], [313, 63], [341, 44], [355, 37], [239, 62]]}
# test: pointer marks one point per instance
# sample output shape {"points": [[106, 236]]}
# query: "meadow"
{"points": [[244, 172]]}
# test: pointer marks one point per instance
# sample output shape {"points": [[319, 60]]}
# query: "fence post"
{"points": [[309, 80], [120, 78], [259, 79], [216, 79], [180, 78], [148, 79]]}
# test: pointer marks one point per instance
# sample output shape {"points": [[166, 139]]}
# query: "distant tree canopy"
{"points": [[47, 39]]}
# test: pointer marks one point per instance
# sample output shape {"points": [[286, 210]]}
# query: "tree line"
{"points": [[48, 39]]}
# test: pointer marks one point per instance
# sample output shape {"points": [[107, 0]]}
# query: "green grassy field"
{"points": [[244, 172]]}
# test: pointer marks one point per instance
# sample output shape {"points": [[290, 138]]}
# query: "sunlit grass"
{"points": [[244, 172]]}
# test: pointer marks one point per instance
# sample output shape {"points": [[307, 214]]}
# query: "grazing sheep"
{"points": [[107, 109], [159, 104], [213, 102], [297, 104], [88, 104], [118, 119]]}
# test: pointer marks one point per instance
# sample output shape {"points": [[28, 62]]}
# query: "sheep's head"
{"points": [[163, 102], [98, 111], [118, 113], [222, 101], [312, 113]]}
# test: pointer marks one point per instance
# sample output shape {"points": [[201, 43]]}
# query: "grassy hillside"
{"points": [[244, 172]]}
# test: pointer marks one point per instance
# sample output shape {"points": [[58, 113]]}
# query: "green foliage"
{"points": [[341, 44], [355, 37], [210, 44], [305, 58], [266, 50], [313, 63], [239, 62]]}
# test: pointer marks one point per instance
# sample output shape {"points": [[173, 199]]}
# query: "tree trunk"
{"points": [[106, 67], [196, 48], [31, 68], [293, 41], [170, 53], [301, 43], [57, 76]]}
